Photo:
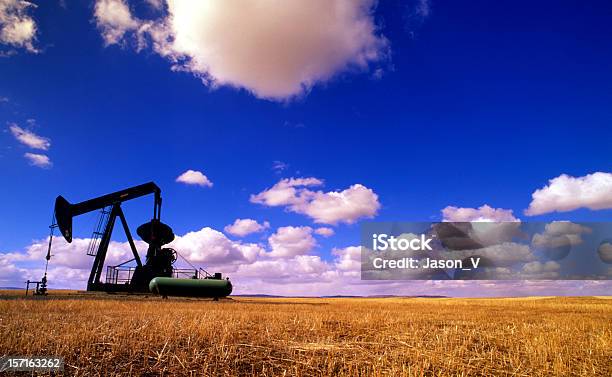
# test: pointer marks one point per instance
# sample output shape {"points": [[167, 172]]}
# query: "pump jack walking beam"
{"points": [[64, 211]]}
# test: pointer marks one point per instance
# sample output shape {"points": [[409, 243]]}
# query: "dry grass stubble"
{"points": [[248, 336]]}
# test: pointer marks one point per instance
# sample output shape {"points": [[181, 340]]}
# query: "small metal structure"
{"points": [[41, 287], [159, 260]]}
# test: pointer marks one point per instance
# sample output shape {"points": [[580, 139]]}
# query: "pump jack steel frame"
{"points": [[94, 283], [65, 212]]}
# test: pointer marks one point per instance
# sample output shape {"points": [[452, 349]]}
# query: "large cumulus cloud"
{"points": [[275, 49]]}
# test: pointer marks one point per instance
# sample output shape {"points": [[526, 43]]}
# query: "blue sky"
{"points": [[463, 105]]}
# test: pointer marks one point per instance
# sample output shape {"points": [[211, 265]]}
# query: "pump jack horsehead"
{"points": [[157, 274]]}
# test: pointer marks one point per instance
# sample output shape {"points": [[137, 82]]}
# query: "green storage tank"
{"points": [[214, 288]]}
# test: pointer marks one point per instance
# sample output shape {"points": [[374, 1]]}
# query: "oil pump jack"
{"points": [[157, 274]]}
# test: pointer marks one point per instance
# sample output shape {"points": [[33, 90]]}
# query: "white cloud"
{"points": [[500, 255], [348, 259], [302, 275], [331, 207], [559, 228], [70, 255], [285, 192], [194, 177], [529, 271], [29, 138], [114, 19], [489, 226], [558, 234], [279, 166], [205, 246], [297, 269], [156, 4], [290, 241], [539, 270], [566, 193], [345, 206], [605, 252], [485, 213], [11, 274], [69, 266], [212, 247], [423, 8], [17, 27], [39, 160], [277, 52], [243, 227], [209, 248], [324, 231], [547, 241], [491, 233]]}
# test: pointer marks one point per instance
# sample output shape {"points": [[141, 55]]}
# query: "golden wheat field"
{"points": [[113, 335]]}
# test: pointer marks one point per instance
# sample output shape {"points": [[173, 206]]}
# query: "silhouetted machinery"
{"points": [[158, 272]]}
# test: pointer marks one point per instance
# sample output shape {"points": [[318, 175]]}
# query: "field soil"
{"points": [[126, 335]]}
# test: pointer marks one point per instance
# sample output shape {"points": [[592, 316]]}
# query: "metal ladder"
{"points": [[98, 231]]}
